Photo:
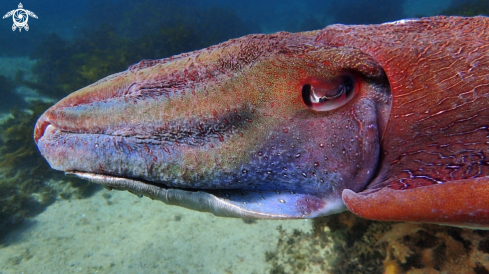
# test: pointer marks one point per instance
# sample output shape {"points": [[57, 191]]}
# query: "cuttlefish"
{"points": [[389, 121]]}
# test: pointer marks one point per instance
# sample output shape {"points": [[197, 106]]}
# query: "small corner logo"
{"points": [[20, 17]]}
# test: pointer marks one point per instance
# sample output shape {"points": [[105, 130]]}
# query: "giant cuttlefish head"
{"points": [[272, 126], [389, 120]]}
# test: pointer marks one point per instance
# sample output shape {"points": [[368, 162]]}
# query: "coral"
{"points": [[345, 243]]}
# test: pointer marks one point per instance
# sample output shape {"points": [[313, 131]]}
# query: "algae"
{"points": [[105, 46], [27, 183], [108, 46], [346, 244], [9, 96]]}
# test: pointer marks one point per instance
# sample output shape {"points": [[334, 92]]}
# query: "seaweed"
{"points": [[345, 243], [9, 95], [28, 185], [108, 46], [341, 243], [21, 173], [64, 66], [468, 8]]}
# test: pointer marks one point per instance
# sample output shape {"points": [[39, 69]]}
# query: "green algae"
{"points": [[27, 183], [64, 66], [347, 244], [341, 243], [23, 192]]}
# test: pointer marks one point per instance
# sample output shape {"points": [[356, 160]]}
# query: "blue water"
{"points": [[73, 43], [68, 18]]}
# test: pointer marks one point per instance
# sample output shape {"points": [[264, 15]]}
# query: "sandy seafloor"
{"points": [[128, 234]]}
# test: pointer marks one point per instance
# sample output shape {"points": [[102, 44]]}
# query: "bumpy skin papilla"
{"points": [[252, 127]]}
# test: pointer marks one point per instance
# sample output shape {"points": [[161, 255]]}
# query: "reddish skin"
{"points": [[460, 203], [434, 163], [431, 120]]}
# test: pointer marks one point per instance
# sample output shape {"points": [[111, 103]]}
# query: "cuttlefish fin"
{"points": [[463, 203]]}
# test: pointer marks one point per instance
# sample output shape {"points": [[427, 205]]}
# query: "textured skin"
{"points": [[229, 121], [439, 76], [438, 128]]}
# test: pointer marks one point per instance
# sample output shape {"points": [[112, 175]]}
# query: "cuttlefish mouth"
{"points": [[262, 126], [226, 202]]}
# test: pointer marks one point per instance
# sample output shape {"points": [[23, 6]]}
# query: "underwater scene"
{"points": [[291, 150]]}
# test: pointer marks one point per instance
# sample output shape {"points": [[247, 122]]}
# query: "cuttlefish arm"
{"points": [[294, 125], [462, 203]]}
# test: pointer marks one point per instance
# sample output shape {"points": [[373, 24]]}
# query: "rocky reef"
{"points": [[346, 244]]}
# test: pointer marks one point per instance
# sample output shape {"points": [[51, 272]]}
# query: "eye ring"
{"points": [[323, 95]]}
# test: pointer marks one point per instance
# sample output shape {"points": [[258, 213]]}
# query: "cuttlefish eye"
{"points": [[323, 95]]}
